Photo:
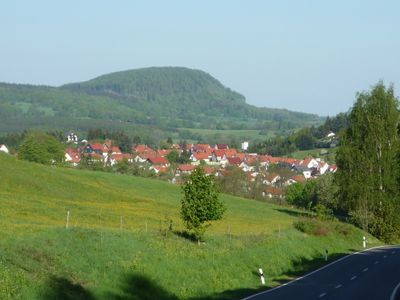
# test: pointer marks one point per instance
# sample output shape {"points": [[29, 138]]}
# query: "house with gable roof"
{"points": [[271, 179], [273, 192], [72, 156], [3, 148], [197, 157], [158, 161]]}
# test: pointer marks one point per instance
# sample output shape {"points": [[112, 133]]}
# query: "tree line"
{"points": [[366, 187]]}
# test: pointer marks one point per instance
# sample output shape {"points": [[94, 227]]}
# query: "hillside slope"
{"points": [[118, 244], [172, 97]]}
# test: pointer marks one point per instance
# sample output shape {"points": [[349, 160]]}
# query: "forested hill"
{"points": [[180, 92], [165, 97]]}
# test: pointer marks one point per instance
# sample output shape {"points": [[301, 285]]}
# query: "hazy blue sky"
{"points": [[310, 56]]}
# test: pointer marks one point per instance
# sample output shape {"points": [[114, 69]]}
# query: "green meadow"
{"points": [[125, 240], [329, 156]]}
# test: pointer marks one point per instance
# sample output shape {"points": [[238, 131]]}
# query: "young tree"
{"points": [[200, 202], [368, 162]]}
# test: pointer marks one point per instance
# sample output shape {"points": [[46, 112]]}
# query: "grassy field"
{"points": [[118, 244], [329, 157]]}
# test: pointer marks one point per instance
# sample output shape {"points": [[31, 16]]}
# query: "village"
{"points": [[275, 173]]}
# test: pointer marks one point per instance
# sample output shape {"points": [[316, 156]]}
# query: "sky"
{"points": [[309, 56]]}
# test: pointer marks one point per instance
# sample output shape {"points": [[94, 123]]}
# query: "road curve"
{"points": [[370, 274]]}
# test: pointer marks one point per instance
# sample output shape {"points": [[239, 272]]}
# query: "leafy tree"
{"points": [[122, 166], [41, 148], [122, 141], [304, 139], [96, 134], [200, 202], [326, 191], [234, 181], [368, 163], [184, 157], [294, 194], [173, 157], [302, 195]]}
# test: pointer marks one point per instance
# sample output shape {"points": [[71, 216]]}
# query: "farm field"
{"points": [[119, 243], [329, 157]]}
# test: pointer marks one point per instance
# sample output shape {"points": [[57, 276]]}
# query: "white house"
{"points": [[140, 158], [307, 174], [271, 179], [323, 167], [3, 148], [245, 167], [331, 135], [72, 138], [310, 163], [244, 146]]}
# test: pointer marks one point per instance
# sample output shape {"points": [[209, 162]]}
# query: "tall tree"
{"points": [[367, 162]]}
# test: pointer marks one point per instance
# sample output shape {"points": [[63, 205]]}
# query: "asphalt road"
{"points": [[372, 274]]}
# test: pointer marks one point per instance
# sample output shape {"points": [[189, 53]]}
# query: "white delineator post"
{"points": [[261, 276], [67, 224], [364, 241], [326, 254]]}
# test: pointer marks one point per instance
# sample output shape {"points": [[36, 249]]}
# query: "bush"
{"points": [[343, 229], [312, 226], [323, 212]]}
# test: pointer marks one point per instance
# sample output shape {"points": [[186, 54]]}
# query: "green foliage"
{"points": [[173, 157], [154, 97], [368, 162], [118, 137], [326, 192], [41, 148], [13, 140], [318, 195], [302, 195], [322, 212], [311, 226], [304, 139], [200, 203], [323, 227], [234, 181], [38, 253]]}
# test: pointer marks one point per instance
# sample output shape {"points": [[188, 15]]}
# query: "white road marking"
{"points": [[322, 295], [394, 293], [376, 262], [354, 277], [338, 286], [362, 252], [365, 270]]}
